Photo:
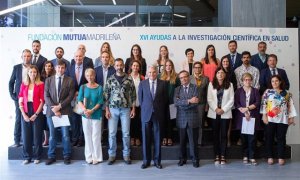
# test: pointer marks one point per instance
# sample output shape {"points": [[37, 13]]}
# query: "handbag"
{"points": [[77, 109]]}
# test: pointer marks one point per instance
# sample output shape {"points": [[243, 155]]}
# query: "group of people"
{"points": [[238, 89]]}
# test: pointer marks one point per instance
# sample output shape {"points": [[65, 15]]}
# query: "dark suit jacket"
{"points": [[15, 82], [40, 62], [99, 74], [256, 62], [73, 76], [187, 114], [66, 95], [68, 64], [202, 88], [88, 62], [240, 101], [159, 106], [265, 76], [238, 60]]}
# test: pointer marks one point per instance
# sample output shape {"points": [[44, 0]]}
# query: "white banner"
{"points": [[280, 41]]}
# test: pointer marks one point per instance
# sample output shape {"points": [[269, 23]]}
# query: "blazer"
{"points": [[38, 95], [202, 88], [227, 102], [99, 74], [256, 62], [68, 64], [187, 114], [65, 98], [238, 60], [88, 62], [240, 101], [185, 66], [15, 82], [40, 62], [73, 76], [265, 77], [159, 106]]}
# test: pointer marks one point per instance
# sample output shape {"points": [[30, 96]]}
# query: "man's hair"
{"points": [[61, 63], [232, 41], [272, 56], [60, 48], [189, 50], [246, 53], [36, 41], [119, 59]]}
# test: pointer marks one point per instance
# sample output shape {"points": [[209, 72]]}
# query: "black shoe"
{"points": [[196, 164], [75, 143], [50, 161], [16, 145], [181, 162], [111, 160], [158, 166], [127, 160], [80, 143], [67, 161], [144, 166]]}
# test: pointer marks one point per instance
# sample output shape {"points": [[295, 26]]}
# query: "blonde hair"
{"points": [[90, 70], [111, 57], [173, 75], [27, 80], [247, 75]]}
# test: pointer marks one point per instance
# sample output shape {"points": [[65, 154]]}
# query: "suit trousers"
{"points": [[135, 124], [17, 129], [76, 125], [32, 133], [193, 141], [201, 109], [280, 130], [220, 129], [149, 129], [248, 145], [92, 135]]}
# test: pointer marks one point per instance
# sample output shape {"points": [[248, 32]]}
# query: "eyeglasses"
{"points": [[197, 67]]}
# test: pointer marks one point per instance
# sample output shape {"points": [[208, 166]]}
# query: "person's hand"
{"points": [[55, 108], [206, 107], [291, 121], [88, 113], [58, 114], [247, 116], [265, 121], [33, 117], [107, 114], [243, 110], [132, 113], [25, 117]]}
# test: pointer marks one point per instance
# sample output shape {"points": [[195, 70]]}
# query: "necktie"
{"points": [[232, 60], [273, 71], [77, 72], [34, 60], [186, 90], [152, 90], [59, 86]]}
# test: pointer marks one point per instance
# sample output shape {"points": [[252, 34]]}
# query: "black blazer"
{"points": [[238, 60], [88, 62], [265, 76], [99, 74], [40, 62], [15, 82], [256, 62]]}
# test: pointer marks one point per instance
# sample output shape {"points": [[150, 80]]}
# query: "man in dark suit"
{"points": [[88, 62], [186, 99], [234, 57], [59, 92], [259, 60], [153, 98], [18, 74], [77, 74], [266, 74], [59, 53], [37, 58]]}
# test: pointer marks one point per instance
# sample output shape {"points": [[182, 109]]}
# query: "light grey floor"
{"points": [[14, 170]]}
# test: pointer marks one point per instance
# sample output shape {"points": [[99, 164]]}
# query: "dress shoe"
{"points": [[158, 166], [144, 166], [196, 164], [181, 162], [50, 161], [67, 161], [16, 145]]}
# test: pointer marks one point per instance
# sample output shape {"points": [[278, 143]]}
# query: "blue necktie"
{"points": [[186, 90], [232, 60], [59, 86], [273, 71], [152, 90]]}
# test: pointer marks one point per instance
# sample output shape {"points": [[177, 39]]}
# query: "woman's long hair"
{"points": [[140, 57], [44, 73], [215, 82], [173, 75], [27, 80], [206, 58], [159, 56]]}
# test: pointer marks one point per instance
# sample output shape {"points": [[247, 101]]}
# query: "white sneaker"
{"points": [[36, 161], [25, 162]]}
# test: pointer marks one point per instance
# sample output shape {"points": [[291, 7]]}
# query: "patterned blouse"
{"points": [[278, 106]]}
